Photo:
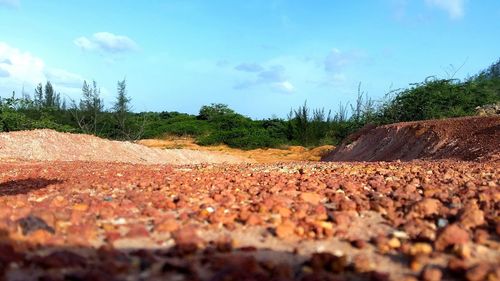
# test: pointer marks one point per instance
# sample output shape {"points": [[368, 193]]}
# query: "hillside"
{"points": [[467, 138]]}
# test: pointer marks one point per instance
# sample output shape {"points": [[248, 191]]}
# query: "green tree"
{"points": [[49, 96], [39, 95], [121, 110], [88, 113], [214, 110]]}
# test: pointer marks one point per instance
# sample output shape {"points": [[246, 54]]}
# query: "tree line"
{"points": [[218, 124]]}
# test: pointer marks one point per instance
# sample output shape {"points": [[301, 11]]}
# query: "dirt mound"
{"points": [[467, 138], [49, 145]]}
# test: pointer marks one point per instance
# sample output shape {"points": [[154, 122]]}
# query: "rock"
{"points": [[31, 223], [311, 198], [457, 266], [418, 262], [253, 219], [463, 251], [328, 262], [187, 239], [431, 274], [451, 235], [471, 217], [168, 225], [362, 263], [425, 208], [359, 243], [420, 248], [477, 272], [481, 236], [394, 243], [285, 230]]}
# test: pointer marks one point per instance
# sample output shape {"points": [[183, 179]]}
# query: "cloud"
{"points": [[275, 73], [336, 60], [10, 3], [249, 67], [25, 69], [285, 87], [454, 8], [6, 61], [273, 77], [4, 73], [106, 42]]}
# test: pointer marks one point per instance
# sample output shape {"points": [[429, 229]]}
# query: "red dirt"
{"points": [[468, 138], [98, 220], [298, 221]]}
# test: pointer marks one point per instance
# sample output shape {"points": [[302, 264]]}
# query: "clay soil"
{"points": [[466, 138], [100, 220]]}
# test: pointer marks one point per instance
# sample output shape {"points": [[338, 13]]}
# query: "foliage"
{"points": [[218, 124]]}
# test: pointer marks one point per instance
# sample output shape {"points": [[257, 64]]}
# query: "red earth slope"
{"points": [[467, 138]]}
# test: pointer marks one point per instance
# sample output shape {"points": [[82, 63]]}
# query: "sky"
{"points": [[260, 57]]}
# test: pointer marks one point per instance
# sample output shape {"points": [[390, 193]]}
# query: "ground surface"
{"points": [[267, 155], [466, 138], [66, 219], [49, 145], [379, 221]]}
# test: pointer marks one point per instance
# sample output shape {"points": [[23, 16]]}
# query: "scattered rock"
{"points": [[431, 274], [451, 235], [311, 198], [31, 223]]}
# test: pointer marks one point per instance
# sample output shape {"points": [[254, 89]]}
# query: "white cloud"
{"points": [[27, 70], [454, 8], [272, 76], [106, 42], [10, 3], [285, 86]]}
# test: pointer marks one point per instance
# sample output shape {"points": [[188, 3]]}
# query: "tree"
{"points": [[87, 114], [209, 112], [49, 96], [121, 109], [39, 95]]}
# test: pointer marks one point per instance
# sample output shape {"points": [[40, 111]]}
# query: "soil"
{"points": [[467, 138], [100, 219], [49, 145], [261, 155]]}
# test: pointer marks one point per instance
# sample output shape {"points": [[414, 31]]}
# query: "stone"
{"points": [[285, 230], [451, 235], [431, 274], [425, 208], [311, 198]]}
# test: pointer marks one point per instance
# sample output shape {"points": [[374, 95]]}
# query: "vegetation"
{"points": [[218, 124]]}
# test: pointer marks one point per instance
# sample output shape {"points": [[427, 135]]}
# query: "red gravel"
{"points": [[298, 221], [467, 138]]}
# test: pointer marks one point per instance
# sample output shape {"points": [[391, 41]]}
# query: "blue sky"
{"points": [[261, 57]]}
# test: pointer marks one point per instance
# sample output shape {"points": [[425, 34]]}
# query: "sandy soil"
{"points": [[49, 145]]}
